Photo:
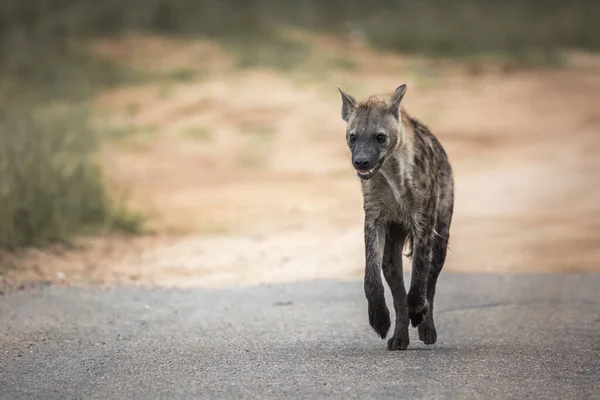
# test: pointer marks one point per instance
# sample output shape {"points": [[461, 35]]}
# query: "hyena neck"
{"points": [[401, 160]]}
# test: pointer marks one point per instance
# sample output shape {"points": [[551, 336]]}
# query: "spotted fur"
{"points": [[408, 190]]}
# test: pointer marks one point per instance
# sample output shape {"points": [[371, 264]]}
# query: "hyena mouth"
{"points": [[366, 174]]}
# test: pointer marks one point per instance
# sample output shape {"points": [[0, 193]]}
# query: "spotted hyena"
{"points": [[408, 190]]}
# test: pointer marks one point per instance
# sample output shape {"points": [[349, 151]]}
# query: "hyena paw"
{"points": [[398, 343], [417, 309], [379, 318], [427, 333]]}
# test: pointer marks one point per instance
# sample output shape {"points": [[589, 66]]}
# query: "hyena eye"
{"points": [[380, 138], [352, 138]]}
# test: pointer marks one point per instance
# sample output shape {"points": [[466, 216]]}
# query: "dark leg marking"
{"points": [[379, 315], [417, 295], [392, 271], [427, 331]]}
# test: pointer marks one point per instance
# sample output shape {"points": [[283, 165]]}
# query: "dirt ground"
{"points": [[246, 177]]}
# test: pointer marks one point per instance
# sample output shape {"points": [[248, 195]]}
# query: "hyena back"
{"points": [[408, 190]]}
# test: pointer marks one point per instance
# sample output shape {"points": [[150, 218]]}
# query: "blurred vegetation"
{"points": [[41, 41], [51, 185], [42, 50], [47, 27]]}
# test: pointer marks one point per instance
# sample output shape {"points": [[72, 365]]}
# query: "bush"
{"points": [[434, 26], [473, 27], [51, 187]]}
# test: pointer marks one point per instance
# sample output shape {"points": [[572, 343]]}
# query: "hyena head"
{"points": [[373, 129]]}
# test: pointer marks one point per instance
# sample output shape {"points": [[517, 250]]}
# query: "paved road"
{"points": [[499, 337]]}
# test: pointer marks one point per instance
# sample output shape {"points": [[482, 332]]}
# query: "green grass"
{"points": [[164, 91], [201, 133], [63, 73], [276, 52], [51, 184], [125, 133], [255, 153], [132, 109], [129, 137], [183, 75], [343, 63]]}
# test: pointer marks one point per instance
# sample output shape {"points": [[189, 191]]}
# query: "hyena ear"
{"points": [[397, 99], [348, 104]]}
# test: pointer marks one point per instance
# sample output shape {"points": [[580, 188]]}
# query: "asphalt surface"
{"points": [[498, 337]]}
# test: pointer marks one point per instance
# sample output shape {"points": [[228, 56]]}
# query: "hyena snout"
{"points": [[365, 162], [364, 158]]}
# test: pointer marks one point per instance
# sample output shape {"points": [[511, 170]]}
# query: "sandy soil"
{"points": [[246, 175]]}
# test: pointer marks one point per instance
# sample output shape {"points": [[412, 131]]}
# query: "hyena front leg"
{"points": [[417, 295], [379, 316], [427, 331], [392, 270]]}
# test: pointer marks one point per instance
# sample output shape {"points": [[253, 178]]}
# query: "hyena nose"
{"points": [[361, 163]]}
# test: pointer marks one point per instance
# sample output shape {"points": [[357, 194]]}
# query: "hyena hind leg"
{"points": [[417, 295], [427, 331]]}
